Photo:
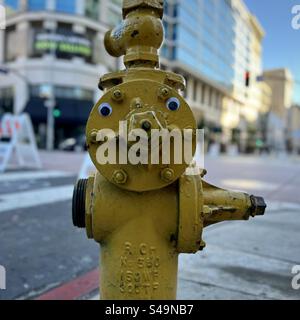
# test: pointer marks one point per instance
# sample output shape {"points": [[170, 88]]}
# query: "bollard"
{"points": [[144, 216]]}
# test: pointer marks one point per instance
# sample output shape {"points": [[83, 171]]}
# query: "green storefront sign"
{"points": [[63, 44]]}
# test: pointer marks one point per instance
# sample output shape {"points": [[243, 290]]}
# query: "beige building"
{"points": [[281, 84], [294, 129], [251, 101]]}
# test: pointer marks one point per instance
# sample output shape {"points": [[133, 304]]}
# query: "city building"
{"points": [[60, 55], [52, 55], [281, 83], [216, 44], [294, 129]]}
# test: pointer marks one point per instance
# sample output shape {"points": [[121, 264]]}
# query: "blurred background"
{"points": [[241, 63]]}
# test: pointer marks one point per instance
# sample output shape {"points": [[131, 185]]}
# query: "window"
{"points": [[36, 5], [66, 6], [203, 94], [12, 4], [92, 9]]}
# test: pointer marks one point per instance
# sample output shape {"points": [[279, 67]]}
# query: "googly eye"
{"points": [[173, 104], [105, 110]]}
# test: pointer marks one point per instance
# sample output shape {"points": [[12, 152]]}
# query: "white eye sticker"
{"points": [[105, 110], [173, 104]]}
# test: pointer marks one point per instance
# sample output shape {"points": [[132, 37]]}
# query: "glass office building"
{"points": [[200, 34]]}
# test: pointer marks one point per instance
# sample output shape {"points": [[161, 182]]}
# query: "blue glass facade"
{"points": [[203, 37], [13, 4], [35, 5], [68, 6]]}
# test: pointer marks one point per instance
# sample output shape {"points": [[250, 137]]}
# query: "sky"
{"points": [[282, 43]]}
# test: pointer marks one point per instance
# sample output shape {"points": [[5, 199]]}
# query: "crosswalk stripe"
{"points": [[34, 198], [16, 176]]}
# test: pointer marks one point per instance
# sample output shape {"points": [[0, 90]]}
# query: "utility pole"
{"points": [[50, 103]]}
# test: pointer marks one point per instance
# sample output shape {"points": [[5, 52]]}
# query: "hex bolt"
{"points": [[164, 93], [93, 136], [167, 175], [146, 125], [120, 177], [117, 95]]}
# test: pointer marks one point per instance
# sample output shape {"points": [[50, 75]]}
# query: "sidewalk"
{"points": [[243, 261], [62, 161]]}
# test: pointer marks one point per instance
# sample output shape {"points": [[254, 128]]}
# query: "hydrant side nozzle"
{"points": [[258, 206], [78, 203]]}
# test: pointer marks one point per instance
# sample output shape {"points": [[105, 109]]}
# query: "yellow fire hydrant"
{"points": [[145, 215]]}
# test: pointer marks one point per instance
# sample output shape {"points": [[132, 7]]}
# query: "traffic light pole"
{"points": [[50, 104]]}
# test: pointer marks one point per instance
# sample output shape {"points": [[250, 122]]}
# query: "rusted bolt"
{"points": [[164, 93], [120, 177], [93, 136], [202, 245], [203, 173], [167, 175], [117, 95], [136, 103], [146, 125]]}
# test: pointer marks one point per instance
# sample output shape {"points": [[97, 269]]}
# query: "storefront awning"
{"points": [[71, 111]]}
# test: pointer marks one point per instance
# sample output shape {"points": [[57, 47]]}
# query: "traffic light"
{"points": [[56, 112], [247, 79]]}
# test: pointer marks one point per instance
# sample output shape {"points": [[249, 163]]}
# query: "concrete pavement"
{"points": [[44, 254]]}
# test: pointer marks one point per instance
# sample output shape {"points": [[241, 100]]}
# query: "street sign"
{"points": [[17, 143]]}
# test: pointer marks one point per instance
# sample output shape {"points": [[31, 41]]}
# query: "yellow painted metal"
{"points": [[145, 216], [137, 233]]}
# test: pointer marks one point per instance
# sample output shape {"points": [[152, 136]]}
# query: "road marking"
{"points": [[32, 175], [74, 289], [27, 199]]}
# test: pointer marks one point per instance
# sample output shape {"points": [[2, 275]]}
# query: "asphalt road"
{"points": [[40, 248]]}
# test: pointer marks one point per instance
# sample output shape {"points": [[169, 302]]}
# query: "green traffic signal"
{"points": [[56, 113]]}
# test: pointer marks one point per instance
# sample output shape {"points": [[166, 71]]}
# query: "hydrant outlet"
{"points": [[258, 206], [78, 205]]}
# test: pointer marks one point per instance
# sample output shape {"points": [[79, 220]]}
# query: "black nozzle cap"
{"points": [[78, 203], [258, 206]]}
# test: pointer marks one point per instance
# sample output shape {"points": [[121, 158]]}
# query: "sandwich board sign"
{"points": [[17, 143]]}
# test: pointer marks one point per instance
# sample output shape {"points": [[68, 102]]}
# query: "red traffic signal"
{"points": [[247, 79]]}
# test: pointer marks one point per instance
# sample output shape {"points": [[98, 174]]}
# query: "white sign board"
{"points": [[17, 142]]}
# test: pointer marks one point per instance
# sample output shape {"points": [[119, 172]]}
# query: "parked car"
{"points": [[77, 144]]}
